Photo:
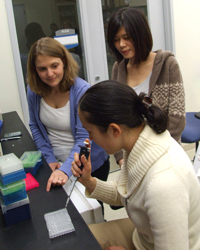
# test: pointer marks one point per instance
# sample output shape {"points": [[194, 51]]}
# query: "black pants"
{"points": [[102, 174]]}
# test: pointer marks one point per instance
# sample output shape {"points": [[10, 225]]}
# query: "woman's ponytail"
{"points": [[155, 117], [113, 102]]}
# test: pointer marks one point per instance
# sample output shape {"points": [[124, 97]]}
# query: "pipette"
{"points": [[85, 150]]}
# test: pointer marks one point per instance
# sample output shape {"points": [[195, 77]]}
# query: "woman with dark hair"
{"points": [[54, 28], [157, 184], [155, 73], [33, 32], [53, 94]]}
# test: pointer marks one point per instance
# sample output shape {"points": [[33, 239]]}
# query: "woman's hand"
{"points": [[115, 248], [54, 165], [84, 175], [57, 178]]}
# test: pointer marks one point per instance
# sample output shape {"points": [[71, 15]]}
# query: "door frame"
{"points": [[91, 22], [17, 61], [162, 24]]}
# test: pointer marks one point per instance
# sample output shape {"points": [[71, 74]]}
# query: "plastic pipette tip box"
{"points": [[31, 182], [11, 169], [16, 212], [58, 223], [13, 192], [31, 160]]}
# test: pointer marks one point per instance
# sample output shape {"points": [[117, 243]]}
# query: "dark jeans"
{"points": [[102, 174]]}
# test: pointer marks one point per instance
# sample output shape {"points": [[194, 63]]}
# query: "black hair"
{"points": [[113, 102], [33, 32], [137, 28]]}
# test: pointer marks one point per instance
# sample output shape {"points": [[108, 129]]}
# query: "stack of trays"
{"points": [[11, 169], [14, 200], [16, 212], [13, 192], [31, 160]]}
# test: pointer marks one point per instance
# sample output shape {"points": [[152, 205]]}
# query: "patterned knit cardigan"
{"points": [[166, 90]]}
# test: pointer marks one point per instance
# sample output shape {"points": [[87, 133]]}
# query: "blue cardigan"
{"points": [[39, 133]]}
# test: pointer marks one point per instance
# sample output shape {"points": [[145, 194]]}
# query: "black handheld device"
{"points": [[83, 151]]}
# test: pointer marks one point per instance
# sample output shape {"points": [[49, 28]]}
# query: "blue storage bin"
{"points": [[11, 169], [31, 161], [13, 192], [13, 177], [16, 212]]}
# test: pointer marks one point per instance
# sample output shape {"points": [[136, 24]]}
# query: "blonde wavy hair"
{"points": [[50, 47]]}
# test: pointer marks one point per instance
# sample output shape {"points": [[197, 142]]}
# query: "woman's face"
{"points": [[123, 44], [104, 140], [50, 69]]}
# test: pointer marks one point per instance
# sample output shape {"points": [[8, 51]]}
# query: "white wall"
{"points": [[187, 38], [187, 41], [9, 93]]}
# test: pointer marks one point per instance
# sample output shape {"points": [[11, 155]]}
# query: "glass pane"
{"points": [[35, 19], [110, 6]]}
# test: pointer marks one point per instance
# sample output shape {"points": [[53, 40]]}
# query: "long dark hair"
{"points": [[113, 102], [137, 28]]}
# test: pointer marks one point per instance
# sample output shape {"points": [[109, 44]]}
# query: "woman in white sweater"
{"points": [[156, 184]]}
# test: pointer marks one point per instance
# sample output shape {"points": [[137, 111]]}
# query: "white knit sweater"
{"points": [[160, 191]]}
